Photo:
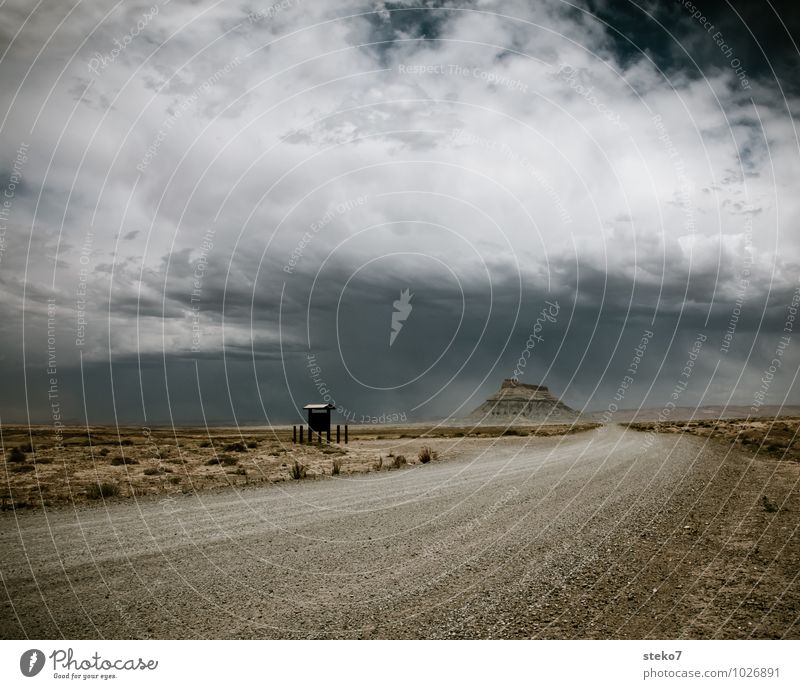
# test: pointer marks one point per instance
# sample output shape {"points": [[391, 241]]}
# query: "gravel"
{"points": [[607, 534]]}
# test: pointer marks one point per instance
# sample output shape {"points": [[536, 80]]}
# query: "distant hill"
{"points": [[522, 403]]}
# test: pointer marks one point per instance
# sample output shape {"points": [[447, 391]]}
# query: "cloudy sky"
{"points": [[210, 209]]}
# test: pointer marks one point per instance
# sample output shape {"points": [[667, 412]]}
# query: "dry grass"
{"points": [[769, 437], [163, 462], [426, 455]]}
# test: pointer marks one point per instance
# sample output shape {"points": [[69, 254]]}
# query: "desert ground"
{"points": [[613, 532], [105, 464]]}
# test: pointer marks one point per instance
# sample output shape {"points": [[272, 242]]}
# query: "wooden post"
{"points": [[294, 435], [337, 433], [319, 437], [345, 434], [301, 435], [328, 436], [310, 435]]}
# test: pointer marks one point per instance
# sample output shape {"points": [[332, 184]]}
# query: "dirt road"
{"points": [[589, 535]]}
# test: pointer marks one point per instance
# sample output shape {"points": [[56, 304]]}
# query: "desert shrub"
{"points": [[513, 431], [103, 451], [152, 471], [426, 455], [44, 460], [379, 465], [399, 461], [252, 444], [95, 491], [224, 459], [26, 447], [126, 441], [769, 506], [119, 461], [15, 455], [332, 450], [297, 471], [205, 443], [238, 446], [22, 468], [337, 467], [239, 471], [174, 479]]}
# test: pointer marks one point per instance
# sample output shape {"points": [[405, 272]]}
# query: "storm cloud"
{"points": [[220, 203]]}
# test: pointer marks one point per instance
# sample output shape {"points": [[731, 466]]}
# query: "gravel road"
{"points": [[588, 535]]}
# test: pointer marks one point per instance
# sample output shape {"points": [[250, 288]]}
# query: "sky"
{"points": [[219, 212]]}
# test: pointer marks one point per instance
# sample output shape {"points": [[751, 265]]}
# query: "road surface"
{"points": [[608, 533]]}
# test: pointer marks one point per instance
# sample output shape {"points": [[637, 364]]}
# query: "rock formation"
{"points": [[522, 403]]}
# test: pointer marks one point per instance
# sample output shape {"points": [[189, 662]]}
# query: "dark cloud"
{"points": [[233, 194]]}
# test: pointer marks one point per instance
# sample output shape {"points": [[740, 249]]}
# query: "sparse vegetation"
{"points": [[252, 444], [224, 459], [769, 438], [426, 455], [121, 456], [15, 455], [237, 446], [121, 461], [769, 506], [95, 491]]}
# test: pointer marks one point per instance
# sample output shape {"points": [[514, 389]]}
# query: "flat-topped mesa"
{"points": [[522, 402]]}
